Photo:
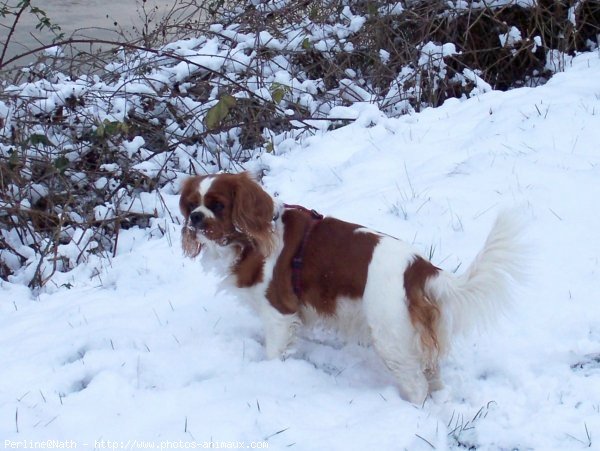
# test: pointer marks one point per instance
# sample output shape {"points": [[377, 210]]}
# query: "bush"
{"points": [[84, 156]]}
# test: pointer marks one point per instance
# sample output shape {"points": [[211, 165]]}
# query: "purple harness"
{"points": [[298, 260]]}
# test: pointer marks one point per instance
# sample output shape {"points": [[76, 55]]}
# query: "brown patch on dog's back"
{"points": [[335, 263], [424, 312]]}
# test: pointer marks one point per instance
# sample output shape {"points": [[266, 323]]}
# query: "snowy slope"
{"points": [[144, 348]]}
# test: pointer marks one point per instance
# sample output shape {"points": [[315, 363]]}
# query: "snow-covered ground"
{"points": [[143, 348]]}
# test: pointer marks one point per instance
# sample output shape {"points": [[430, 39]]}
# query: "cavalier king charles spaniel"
{"points": [[298, 266]]}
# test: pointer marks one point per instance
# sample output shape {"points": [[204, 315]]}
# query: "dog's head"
{"points": [[225, 209]]}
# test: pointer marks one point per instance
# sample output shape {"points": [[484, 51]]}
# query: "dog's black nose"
{"points": [[197, 218]]}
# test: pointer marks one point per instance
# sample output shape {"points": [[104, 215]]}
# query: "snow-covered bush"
{"points": [[79, 152]]}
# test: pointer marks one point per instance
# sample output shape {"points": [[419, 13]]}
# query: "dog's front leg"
{"points": [[280, 330]]}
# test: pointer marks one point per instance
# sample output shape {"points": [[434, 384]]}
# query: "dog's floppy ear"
{"points": [[252, 211], [189, 242], [189, 193]]}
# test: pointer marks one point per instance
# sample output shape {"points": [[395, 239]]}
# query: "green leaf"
{"points": [[13, 160], [100, 131], [107, 128], [37, 139], [218, 112], [112, 128], [278, 91], [306, 44], [61, 163]]}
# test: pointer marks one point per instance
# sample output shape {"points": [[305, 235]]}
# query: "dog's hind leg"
{"points": [[406, 367]]}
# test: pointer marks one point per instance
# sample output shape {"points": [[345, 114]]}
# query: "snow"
{"points": [[142, 345], [512, 37]]}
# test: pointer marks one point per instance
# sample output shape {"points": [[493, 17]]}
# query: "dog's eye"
{"points": [[217, 207]]}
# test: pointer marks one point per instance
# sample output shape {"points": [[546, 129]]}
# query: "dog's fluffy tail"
{"points": [[474, 299]]}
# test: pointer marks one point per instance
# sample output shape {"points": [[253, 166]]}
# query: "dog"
{"points": [[297, 265]]}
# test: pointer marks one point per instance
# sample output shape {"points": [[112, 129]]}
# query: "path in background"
{"points": [[90, 18]]}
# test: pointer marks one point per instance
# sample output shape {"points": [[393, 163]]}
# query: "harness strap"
{"points": [[298, 260]]}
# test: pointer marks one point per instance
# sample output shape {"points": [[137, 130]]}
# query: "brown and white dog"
{"points": [[298, 266]]}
